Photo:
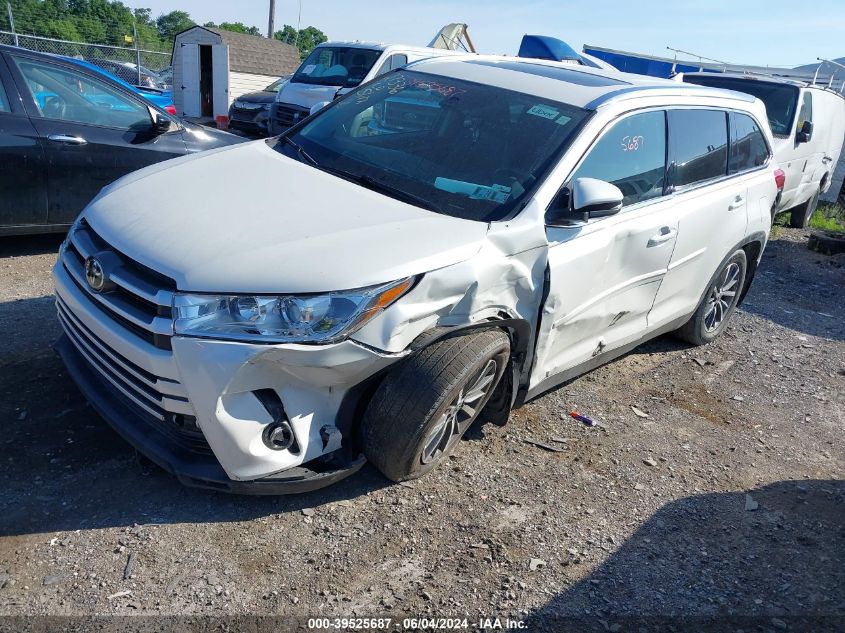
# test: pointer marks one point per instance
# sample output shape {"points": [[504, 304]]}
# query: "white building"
{"points": [[211, 67]]}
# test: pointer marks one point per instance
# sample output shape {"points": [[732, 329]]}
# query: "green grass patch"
{"points": [[828, 217]]}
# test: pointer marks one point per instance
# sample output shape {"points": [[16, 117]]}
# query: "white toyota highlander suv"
{"points": [[440, 245]]}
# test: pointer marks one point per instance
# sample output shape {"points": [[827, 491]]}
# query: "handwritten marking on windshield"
{"points": [[397, 83]]}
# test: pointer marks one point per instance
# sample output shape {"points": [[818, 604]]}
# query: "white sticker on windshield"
{"points": [[495, 193], [563, 119], [547, 112], [309, 69]]}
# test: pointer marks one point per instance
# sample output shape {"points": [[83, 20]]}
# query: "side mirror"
{"points": [[805, 133], [161, 124], [318, 106], [595, 198]]}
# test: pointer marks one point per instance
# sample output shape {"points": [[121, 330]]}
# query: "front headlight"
{"points": [[322, 318]]}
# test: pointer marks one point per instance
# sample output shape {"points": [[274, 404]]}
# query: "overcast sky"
{"points": [[764, 32]]}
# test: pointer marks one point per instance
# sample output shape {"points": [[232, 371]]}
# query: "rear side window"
{"points": [[698, 146], [748, 145], [781, 99], [632, 156]]}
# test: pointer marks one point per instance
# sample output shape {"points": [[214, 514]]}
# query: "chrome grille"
{"points": [[161, 402], [141, 299], [288, 115]]}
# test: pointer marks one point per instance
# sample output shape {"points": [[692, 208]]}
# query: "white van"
{"points": [[526, 222], [333, 69], [808, 124]]}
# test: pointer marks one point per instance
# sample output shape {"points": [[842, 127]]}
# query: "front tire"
{"points": [[717, 306], [421, 410]]}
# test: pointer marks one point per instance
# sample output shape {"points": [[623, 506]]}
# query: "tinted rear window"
{"points": [[748, 145], [781, 100], [698, 146]]}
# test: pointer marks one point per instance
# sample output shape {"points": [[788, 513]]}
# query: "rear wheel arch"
{"points": [[752, 249]]}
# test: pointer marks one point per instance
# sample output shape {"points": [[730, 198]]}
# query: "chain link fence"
{"points": [[153, 60], [117, 47]]}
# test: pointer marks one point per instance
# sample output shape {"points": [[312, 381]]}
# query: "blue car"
{"points": [[162, 98]]}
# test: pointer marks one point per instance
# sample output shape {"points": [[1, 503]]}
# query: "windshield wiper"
{"points": [[376, 185], [300, 150]]}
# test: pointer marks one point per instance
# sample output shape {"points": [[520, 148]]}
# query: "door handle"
{"points": [[737, 203], [666, 233], [67, 139]]}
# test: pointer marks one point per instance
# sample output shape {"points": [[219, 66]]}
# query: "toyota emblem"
{"points": [[94, 274]]}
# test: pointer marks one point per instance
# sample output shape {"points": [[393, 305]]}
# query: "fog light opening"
{"points": [[278, 436]]}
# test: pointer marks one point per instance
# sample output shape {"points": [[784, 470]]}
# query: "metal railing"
{"points": [[154, 60]]}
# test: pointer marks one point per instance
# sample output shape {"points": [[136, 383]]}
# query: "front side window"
{"points": [[343, 66], [66, 95], [748, 145], [806, 112], [698, 146], [630, 155], [455, 147]]}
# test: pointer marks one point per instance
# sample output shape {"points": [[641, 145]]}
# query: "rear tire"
{"points": [[718, 305], [423, 408], [800, 216]]}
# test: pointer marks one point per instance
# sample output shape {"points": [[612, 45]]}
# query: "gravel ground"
{"points": [[723, 498]]}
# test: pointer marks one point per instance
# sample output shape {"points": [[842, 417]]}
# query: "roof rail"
{"points": [[833, 74], [662, 91]]}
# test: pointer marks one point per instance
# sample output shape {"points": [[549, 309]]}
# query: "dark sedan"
{"points": [[67, 131], [248, 113]]}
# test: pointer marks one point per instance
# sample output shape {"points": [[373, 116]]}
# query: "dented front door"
{"points": [[603, 278]]}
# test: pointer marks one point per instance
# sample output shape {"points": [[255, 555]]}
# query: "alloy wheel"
{"points": [[723, 295], [460, 414]]}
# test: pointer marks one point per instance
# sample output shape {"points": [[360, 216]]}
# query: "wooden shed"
{"points": [[211, 67]]}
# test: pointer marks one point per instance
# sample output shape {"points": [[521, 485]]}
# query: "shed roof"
{"points": [[255, 54]]}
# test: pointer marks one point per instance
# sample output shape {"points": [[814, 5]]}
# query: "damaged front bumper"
{"points": [[192, 467], [200, 409]]}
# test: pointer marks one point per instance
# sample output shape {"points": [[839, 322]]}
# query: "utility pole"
{"points": [[12, 22], [271, 22]]}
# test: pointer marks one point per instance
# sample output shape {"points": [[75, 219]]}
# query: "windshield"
{"points": [[463, 149], [781, 100], [277, 85], [336, 66]]}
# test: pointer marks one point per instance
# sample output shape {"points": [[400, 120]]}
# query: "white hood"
{"points": [[306, 95], [247, 219]]}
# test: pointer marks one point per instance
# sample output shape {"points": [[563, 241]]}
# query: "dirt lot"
{"points": [[726, 501]]}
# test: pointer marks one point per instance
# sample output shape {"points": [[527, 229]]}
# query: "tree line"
{"points": [[111, 22]]}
